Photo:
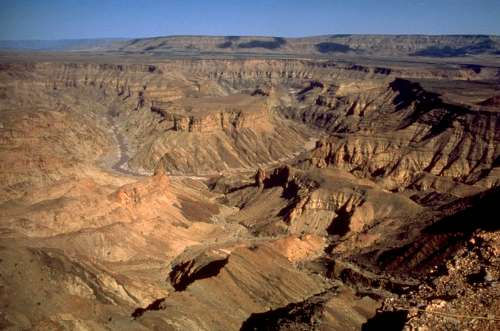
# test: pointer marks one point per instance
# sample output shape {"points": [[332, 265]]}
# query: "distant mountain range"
{"points": [[380, 45], [58, 45]]}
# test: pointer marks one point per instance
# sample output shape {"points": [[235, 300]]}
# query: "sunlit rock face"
{"points": [[145, 192]]}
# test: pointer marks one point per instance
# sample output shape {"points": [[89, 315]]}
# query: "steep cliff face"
{"points": [[329, 203], [403, 136], [156, 105], [151, 108], [206, 114]]}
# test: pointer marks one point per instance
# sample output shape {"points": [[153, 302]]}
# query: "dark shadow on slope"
{"points": [[294, 316], [312, 85], [410, 92], [226, 44], [428, 107], [181, 278], [485, 46], [279, 177], [387, 321], [155, 305], [340, 225], [267, 44], [441, 239], [328, 47]]}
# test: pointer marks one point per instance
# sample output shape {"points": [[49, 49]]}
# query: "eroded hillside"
{"points": [[248, 194]]}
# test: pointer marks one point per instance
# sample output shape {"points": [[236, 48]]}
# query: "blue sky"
{"points": [[67, 19]]}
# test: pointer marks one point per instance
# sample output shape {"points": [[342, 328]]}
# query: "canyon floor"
{"points": [[248, 192]]}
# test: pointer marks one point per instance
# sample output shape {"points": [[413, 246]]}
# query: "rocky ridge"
{"points": [[408, 45]]}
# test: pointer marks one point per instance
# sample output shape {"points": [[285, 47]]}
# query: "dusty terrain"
{"points": [[252, 192]]}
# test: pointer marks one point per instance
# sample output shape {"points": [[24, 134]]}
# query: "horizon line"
{"points": [[268, 36]]}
